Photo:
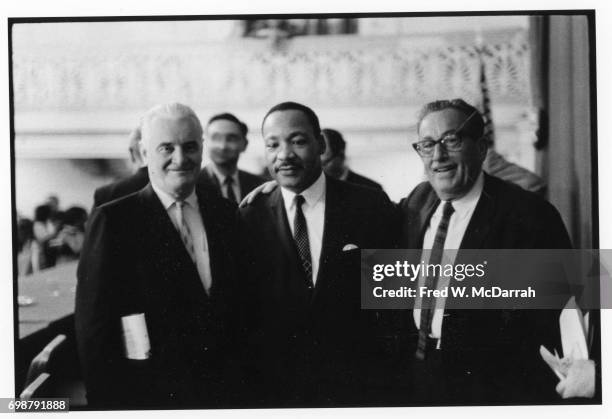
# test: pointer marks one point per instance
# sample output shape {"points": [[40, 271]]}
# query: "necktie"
{"points": [[229, 182], [429, 302], [184, 230], [300, 235]]}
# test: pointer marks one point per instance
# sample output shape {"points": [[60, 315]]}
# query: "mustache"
{"points": [[288, 165]]}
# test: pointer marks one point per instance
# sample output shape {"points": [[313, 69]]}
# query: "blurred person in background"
{"points": [[46, 227], [25, 243], [225, 139], [132, 183], [69, 241], [334, 161]]}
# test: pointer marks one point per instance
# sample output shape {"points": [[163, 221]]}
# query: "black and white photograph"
{"points": [[194, 196]]}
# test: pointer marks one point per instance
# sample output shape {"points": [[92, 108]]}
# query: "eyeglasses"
{"points": [[451, 141]]}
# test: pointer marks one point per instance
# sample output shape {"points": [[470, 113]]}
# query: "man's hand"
{"points": [[580, 380], [265, 188]]}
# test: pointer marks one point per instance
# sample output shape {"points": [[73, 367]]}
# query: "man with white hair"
{"points": [[154, 279]]}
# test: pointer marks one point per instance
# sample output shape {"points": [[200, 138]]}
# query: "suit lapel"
{"points": [[243, 181], [480, 223], [168, 252], [281, 224], [209, 209], [333, 227], [422, 223]]}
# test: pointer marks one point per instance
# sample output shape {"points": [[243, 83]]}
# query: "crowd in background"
{"points": [[52, 237]]}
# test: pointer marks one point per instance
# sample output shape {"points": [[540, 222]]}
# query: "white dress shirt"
{"points": [[221, 178], [464, 208], [314, 212], [193, 218]]}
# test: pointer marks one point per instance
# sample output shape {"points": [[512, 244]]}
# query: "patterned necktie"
{"points": [[300, 234], [184, 230], [229, 189], [429, 301]]}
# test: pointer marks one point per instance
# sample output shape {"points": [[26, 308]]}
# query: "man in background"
{"points": [[226, 139], [132, 183], [334, 161]]}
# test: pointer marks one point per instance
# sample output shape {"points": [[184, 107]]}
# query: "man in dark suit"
{"points": [[226, 139], [308, 333], [154, 281], [474, 356], [334, 161], [132, 183]]}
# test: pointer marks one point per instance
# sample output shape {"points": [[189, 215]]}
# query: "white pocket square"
{"points": [[348, 247]]}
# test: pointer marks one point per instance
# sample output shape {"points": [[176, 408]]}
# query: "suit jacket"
{"points": [[308, 340], [134, 261], [490, 355], [248, 181], [357, 179], [121, 188]]}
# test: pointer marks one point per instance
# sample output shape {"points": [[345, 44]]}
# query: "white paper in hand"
{"points": [[558, 366], [573, 332], [135, 337]]}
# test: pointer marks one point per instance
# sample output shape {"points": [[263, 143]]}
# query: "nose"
{"points": [[285, 152], [178, 156], [222, 143], [439, 152]]}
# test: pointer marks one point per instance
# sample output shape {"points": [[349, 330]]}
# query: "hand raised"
{"points": [[264, 188]]}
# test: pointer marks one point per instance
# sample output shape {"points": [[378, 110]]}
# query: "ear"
{"points": [[483, 147], [245, 144], [143, 152], [321, 141]]}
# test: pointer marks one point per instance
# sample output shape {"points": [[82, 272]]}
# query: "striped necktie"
{"points": [[429, 302]]}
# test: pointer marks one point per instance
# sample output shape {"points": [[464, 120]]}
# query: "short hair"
{"points": [[230, 117], [335, 141], [43, 212], [294, 106], [169, 110], [474, 127]]}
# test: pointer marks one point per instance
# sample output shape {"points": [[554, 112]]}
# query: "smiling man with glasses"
{"points": [[473, 356], [452, 147]]}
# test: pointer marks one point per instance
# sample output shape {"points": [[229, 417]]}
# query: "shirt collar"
{"points": [[168, 200], [220, 176], [312, 194], [466, 204]]}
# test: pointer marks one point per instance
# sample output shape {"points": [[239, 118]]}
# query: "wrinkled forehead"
{"points": [[437, 123]]}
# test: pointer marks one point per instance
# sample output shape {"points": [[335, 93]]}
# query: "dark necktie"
{"points": [[229, 182], [432, 282], [300, 234]]}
